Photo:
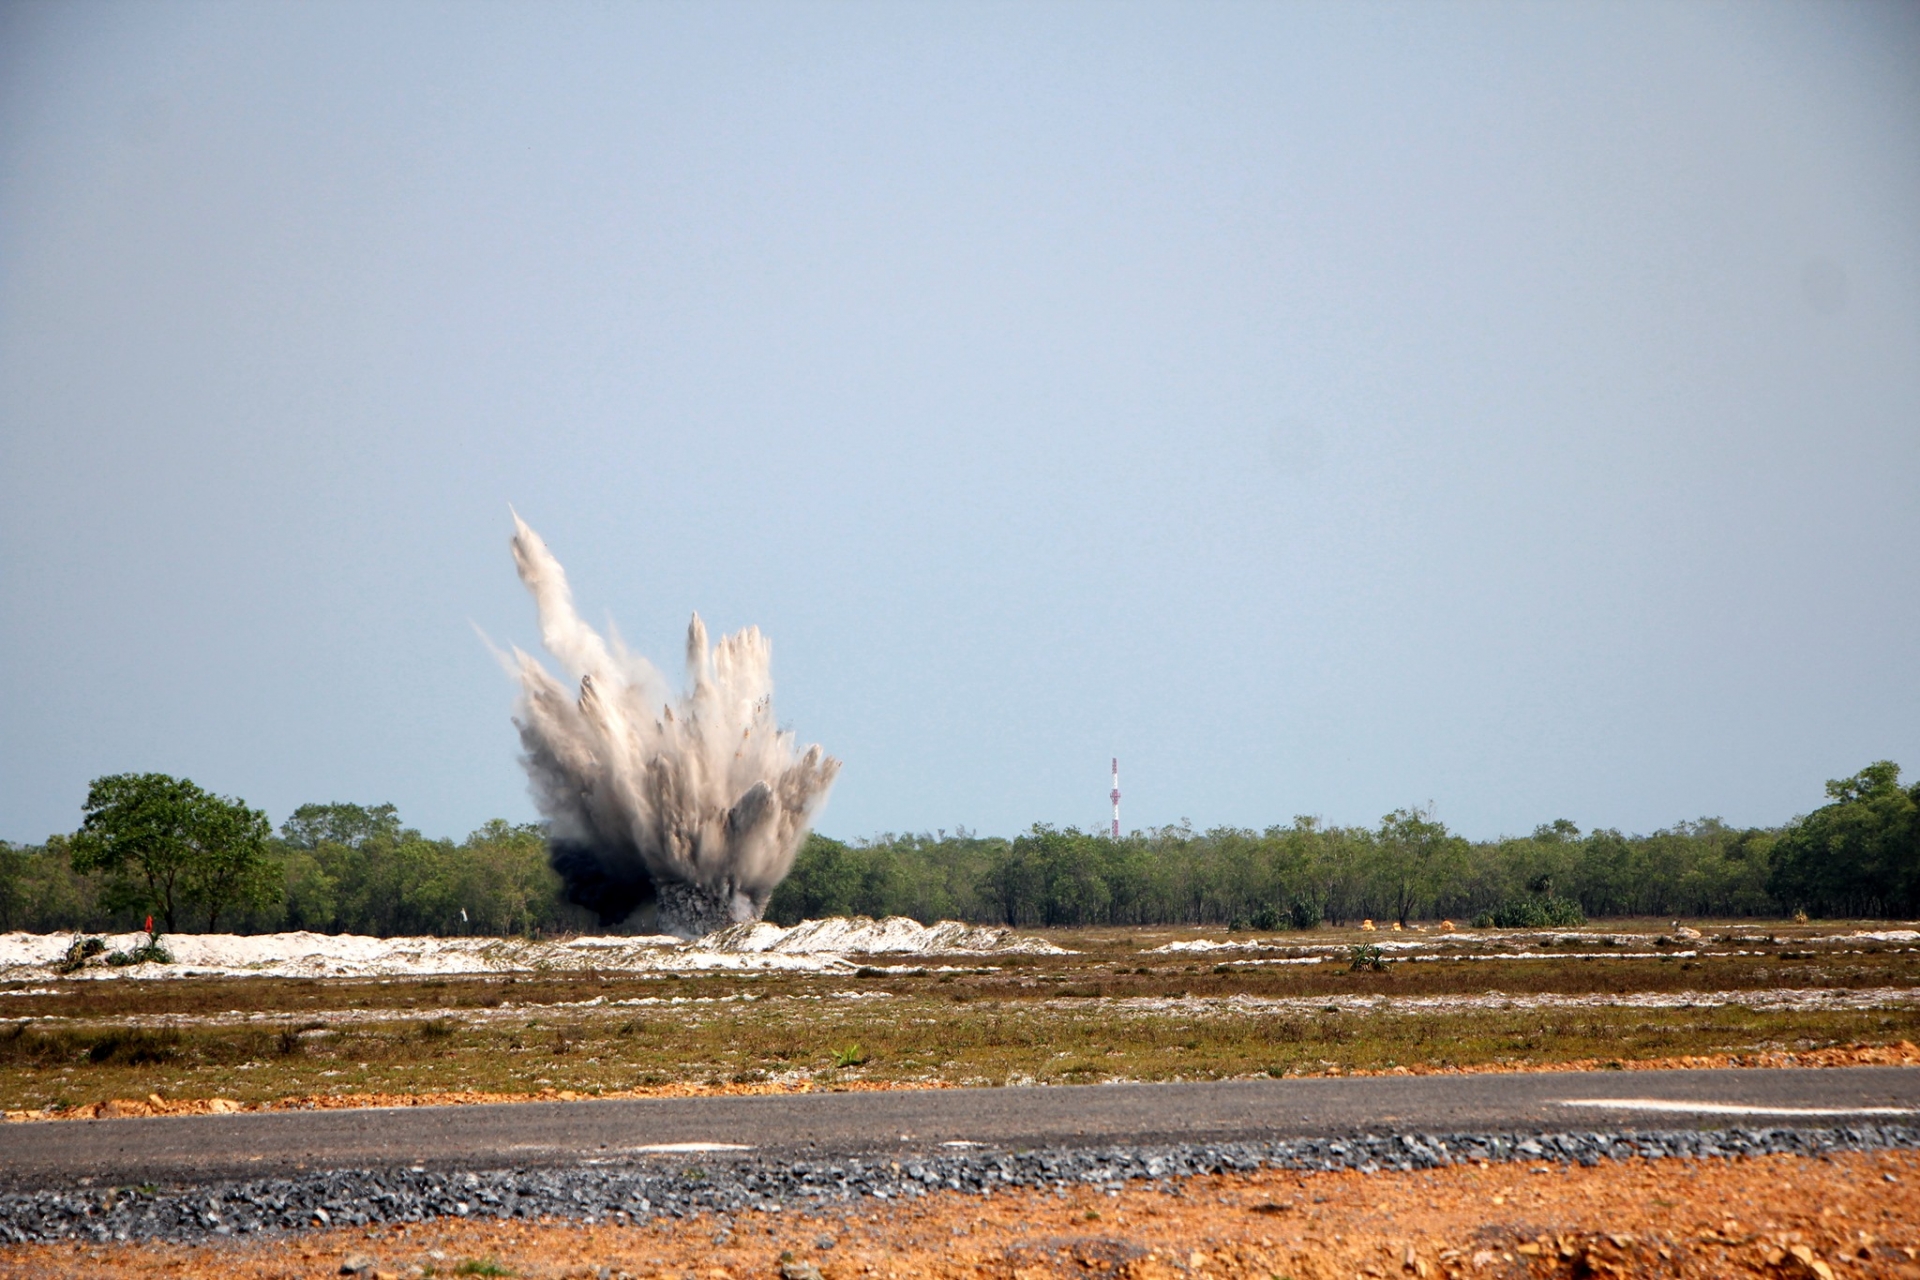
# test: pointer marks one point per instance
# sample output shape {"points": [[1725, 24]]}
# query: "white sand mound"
{"points": [[1204, 944], [813, 946], [311, 955], [861, 935], [1387, 943]]}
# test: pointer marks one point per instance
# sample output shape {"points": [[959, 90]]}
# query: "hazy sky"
{"points": [[1322, 408]]}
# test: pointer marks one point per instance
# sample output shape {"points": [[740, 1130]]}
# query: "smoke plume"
{"points": [[688, 808]]}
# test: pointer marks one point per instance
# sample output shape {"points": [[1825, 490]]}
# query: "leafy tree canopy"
{"points": [[352, 825], [174, 847], [1859, 854]]}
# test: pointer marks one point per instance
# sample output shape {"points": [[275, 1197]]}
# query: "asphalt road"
{"points": [[180, 1149]]}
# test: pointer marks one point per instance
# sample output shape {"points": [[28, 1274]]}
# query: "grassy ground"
{"points": [[1111, 1012]]}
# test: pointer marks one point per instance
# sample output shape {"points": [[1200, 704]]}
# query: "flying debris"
{"points": [[678, 812]]}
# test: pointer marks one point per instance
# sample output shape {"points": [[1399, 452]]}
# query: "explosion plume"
{"points": [[686, 807]]}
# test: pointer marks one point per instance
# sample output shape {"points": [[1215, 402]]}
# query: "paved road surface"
{"points": [[193, 1148]]}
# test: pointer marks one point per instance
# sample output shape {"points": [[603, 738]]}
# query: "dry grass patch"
{"points": [[911, 1041], [1113, 1011]]}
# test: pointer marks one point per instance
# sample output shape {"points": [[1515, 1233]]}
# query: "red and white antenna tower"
{"points": [[1116, 797]]}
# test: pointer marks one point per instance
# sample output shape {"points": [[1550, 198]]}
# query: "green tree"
{"points": [[172, 847], [1419, 858], [312, 825], [1859, 854], [13, 884], [1014, 882], [825, 881], [232, 869]]}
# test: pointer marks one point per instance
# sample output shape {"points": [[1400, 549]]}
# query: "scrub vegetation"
{"points": [[1116, 1009]]}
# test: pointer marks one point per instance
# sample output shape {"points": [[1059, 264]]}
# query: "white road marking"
{"points": [[1730, 1108], [682, 1148]]}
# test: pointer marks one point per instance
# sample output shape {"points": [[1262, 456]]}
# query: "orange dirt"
{"points": [[1853, 1215], [1901, 1054]]}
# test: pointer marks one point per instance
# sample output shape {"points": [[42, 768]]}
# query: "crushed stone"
{"points": [[756, 1183]]}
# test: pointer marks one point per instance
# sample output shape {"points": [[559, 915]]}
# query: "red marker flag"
{"points": [[149, 924]]}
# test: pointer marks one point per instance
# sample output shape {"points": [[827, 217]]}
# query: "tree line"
{"points": [[1856, 856], [156, 845]]}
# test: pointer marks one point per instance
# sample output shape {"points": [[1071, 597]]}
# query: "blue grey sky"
{"points": [[1323, 408]]}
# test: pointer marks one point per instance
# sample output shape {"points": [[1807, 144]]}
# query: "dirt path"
{"points": [[1849, 1216]]}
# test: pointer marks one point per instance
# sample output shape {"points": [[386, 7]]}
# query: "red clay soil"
{"points": [[1783, 1217]]}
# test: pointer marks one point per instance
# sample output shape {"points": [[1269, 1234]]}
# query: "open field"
{"points": [[1145, 1005]]}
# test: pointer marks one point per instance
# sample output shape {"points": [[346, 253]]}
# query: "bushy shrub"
{"points": [[1267, 919], [82, 950], [1365, 956], [1546, 912], [1304, 912], [152, 951]]}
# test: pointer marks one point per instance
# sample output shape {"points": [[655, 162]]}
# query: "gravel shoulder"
{"points": [[1702, 1205]]}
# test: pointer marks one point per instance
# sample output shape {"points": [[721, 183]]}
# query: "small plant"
{"points": [[152, 951], [481, 1267], [1286, 1030], [436, 1029], [852, 1055], [1365, 956]]}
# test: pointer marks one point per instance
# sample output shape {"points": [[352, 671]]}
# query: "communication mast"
{"points": [[1116, 797]]}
